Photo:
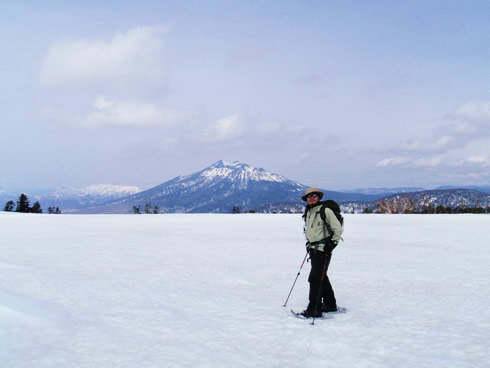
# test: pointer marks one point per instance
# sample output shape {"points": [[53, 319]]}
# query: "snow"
{"points": [[207, 291], [217, 172], [239, 172], [104, 190]]}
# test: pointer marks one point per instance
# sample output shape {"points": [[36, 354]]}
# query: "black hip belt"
{"points": [[317, 243]]}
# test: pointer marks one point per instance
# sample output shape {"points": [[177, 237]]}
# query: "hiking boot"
{"points": [[311, 314]]}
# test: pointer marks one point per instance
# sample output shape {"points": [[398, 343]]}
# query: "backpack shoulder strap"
{"points": [[322, 212], [324, 219], [305, 212]]}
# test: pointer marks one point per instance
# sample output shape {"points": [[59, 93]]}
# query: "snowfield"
{"points": [[207, 291]]}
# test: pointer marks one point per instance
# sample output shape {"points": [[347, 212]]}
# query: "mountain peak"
{"points": [[223, 163], [239, 172]]}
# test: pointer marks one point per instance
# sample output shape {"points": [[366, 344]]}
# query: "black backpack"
{"points": [[334, 206]]}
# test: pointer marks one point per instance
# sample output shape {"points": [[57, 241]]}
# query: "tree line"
{"points": [[24, 206], [409, 205], [148, 209]]}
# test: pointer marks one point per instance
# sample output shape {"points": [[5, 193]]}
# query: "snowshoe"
{"points": [[334, 311], [306, 314]]}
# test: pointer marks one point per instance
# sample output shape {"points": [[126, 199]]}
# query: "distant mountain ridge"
{"points": [[481, 188], [76, 198], [382, 192], [99, 190], [226, 185], [217, 188], [70, 199], [453, 198]]}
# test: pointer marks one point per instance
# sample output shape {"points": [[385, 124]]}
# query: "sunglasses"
{"points": [[313, 195]]}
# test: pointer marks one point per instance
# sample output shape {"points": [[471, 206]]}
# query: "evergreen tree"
{"points": [[23, 204], [9, 206], [53, 210], [36, 208]]}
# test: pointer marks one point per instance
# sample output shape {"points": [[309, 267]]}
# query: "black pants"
{"points": [[320, 290]]}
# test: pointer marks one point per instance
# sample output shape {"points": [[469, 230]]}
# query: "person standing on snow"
{"points": [[322, 238]]}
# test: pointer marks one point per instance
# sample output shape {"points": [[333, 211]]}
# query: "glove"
{"points": [[329, 245]]}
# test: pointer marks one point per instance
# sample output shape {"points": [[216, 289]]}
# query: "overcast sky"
{"points": [[336, 94]]}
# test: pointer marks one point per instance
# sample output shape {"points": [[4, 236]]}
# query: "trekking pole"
{"points": [[294, 283], [320, 289]]}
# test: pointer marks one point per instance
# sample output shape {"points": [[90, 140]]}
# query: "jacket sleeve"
{"points": [[334, 224]]}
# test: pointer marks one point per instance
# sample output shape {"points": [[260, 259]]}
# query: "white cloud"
{"points": [[132, 55], [265, 129], [411, 145], [427, 145], [483, 160], [442, 142], [427, 162], [406, 162], [474, 111], [225, 129], [461, 141], [470, 121], [108, 112], [460, 127], [392, 161]]}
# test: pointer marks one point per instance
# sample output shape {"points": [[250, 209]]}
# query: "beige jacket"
{"points": [[315, 230]]}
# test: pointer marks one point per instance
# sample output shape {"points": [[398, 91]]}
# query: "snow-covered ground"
{"points": [[207, 291]]}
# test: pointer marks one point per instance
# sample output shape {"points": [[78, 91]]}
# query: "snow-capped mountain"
{"points": [[69, 199], [238, 174], [217, 188], [99, 190]]}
